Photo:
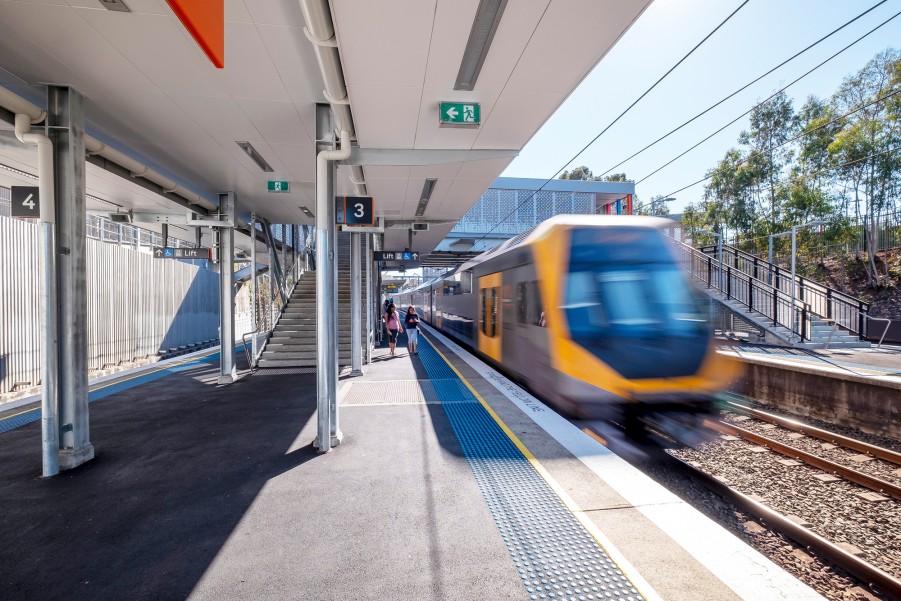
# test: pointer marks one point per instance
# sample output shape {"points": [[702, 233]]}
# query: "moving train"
{"points": [[593, 314]]}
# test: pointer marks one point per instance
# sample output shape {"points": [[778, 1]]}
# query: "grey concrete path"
{"points": [[885, 361], [207, 492]]}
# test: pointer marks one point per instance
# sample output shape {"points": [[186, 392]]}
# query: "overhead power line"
{"points": [[804, 176], [745, 87], [773, 95], [612, 123]]}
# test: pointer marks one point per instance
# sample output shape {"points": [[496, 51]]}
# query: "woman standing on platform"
{"points": [[411, 320], [392, 322]]}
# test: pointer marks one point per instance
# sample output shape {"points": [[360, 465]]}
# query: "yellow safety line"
{"points": [[115, 381], [605, 543]]}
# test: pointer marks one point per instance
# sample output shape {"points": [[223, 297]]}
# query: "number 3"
{"points": [[358, 213]]}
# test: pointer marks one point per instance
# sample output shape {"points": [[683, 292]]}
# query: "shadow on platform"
{"points": [[179, 461]]}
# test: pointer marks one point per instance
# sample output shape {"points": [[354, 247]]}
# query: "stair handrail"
{"points": [[251, 361], [756, 295], [269, 314], [773, 269], [825, 302]]}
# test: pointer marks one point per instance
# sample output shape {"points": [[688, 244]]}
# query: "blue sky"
{"points": [[757, 38]]}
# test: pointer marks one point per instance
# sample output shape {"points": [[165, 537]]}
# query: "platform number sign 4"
{"points": [[354, 210], [25, 202]]}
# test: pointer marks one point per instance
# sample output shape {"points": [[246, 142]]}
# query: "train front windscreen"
{"points": [[628, 302]]}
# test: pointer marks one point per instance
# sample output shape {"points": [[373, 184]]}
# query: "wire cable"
{"points": [[612, 123], [801, 135], [804, 176], [773, 95], [745, 87]]}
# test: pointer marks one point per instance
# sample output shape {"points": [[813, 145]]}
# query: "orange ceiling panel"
{"points": [[205, 21]]}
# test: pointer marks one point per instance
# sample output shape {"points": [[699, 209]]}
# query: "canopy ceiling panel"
{"points": [[151, 93]]}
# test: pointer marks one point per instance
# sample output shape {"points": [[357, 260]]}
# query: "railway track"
{"points": [[868, 573], [756, 471]]}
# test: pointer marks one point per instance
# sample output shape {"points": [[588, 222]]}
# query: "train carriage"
{"points": [[592, 313]]}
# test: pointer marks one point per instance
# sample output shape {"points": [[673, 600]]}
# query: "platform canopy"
{"points": [[152, 94]]}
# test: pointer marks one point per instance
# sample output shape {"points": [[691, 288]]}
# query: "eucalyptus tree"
{"points": [[772, 125], [865, 150], [579, 173]]}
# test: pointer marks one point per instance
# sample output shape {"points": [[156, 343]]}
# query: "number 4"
{"points": [[28, 202]]}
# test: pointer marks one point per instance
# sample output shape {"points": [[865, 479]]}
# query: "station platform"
{"points": [[858, 388], [451, 483]]}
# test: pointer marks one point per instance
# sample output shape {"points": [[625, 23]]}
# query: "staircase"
{"points": [[770, 332], [807, 320], [293, 340]]}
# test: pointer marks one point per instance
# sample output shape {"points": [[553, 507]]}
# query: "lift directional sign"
{"points": [[459, 114], [181, 253], [400, 255], [25, 202]]}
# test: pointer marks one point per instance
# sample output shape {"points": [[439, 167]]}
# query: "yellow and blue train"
{"points": [[592, 313]]}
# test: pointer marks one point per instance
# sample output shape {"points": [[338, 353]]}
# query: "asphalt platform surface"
{"points": [[203, 491]]}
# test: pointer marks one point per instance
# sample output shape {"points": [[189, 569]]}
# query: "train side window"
{"points": [[482, 313], [537, 314], [493, 312], [521, 306]]}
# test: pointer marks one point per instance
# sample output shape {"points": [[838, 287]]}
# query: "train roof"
{"points": [[567, 221], [542, 229]]}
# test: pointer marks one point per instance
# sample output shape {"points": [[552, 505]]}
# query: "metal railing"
{"points": [[847, 311], [268, 314], [756, 295]]}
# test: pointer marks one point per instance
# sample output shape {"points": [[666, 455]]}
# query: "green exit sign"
{"points": [[278, 186], [459, 114]]}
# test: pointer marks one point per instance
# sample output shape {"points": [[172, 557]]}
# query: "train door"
{"points": [[490, 315], [509, 338]]}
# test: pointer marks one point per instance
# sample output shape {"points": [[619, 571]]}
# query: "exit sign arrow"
{"points": [[459, 114]]}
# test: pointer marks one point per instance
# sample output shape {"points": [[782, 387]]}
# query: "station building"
{"points": [[513, 205]]}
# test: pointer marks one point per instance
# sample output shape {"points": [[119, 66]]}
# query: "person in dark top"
{"points": [[411, 320]]}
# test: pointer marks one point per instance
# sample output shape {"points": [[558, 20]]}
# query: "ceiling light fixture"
{"points": [[427, 188], [116, 5], [255, 156], [307, 212], [484, 26]]}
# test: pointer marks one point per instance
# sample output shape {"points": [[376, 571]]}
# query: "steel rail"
{"points": [[824, 464], [852, 564], [796, 426]]}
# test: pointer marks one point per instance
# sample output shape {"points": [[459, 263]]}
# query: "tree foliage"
{"points": [[836, 160], [584, 173]]}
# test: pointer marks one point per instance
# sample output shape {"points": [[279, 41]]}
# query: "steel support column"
{"points": [[327, 428], [285, 265], [333, 352], [253, 286], [164, 232], [369, 303], [227, 370], [65, 119], [356, 313]]}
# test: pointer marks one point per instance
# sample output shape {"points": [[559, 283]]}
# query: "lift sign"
{"points": [[25, 202], [354, 210]]}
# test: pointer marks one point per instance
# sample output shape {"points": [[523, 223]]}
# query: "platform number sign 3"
{"points": [[25, 202], [354, 210]]}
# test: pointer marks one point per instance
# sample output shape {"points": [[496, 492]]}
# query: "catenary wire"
{"points": [[603, 131], [804, 175], [802, 134], [744, 87], [761, 103]]}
